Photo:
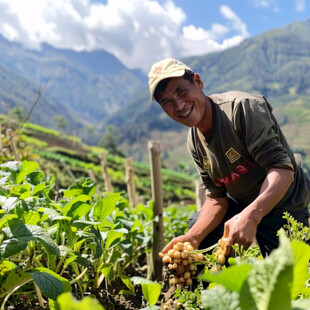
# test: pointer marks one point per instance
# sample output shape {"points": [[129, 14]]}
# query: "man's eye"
{"points": [[180, 92], [166, 102]]}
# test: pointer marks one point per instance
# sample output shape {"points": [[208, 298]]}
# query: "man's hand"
{"points": [[239, 229], [182, 238]]}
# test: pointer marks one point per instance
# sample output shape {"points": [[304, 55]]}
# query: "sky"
{"points": [[140, 32]]}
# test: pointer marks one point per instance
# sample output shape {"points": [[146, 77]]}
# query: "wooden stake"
{"points": [[10, 134], [106, 177], [67, 169], [1, 145], [157, 197], [129, 178]]}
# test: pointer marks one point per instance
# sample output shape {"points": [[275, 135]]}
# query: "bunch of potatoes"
{"points": [[179, 261], [220, 252]]}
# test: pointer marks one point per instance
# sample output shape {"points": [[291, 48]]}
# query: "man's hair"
{"points": [[162, 85]]}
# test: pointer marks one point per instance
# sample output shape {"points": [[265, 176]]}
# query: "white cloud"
{"points": [[300, 5], [138, 32], [272, 4]]}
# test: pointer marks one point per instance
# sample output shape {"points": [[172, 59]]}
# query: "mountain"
{"points": [[95, 88], [18, 91], [275, 64], [93, 84]]}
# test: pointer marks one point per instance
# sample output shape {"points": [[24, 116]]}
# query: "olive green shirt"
{"points": [[245, 142]]}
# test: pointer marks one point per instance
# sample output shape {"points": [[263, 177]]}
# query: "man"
{"points": [[243, 159]]}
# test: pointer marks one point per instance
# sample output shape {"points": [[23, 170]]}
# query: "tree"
{"points": [[18, 114], [60, 121], [108, 141]]}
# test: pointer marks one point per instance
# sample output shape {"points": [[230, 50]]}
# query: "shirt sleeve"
{"points": [[195, 151], [261, 134]]}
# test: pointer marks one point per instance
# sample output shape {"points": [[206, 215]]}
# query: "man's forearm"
{"points": [[272, 191], [211, 215]]}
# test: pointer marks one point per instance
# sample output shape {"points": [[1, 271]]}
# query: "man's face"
{"points": [[184, 101]]}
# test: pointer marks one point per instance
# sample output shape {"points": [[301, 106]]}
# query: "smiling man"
{"points": [[245, 164]]}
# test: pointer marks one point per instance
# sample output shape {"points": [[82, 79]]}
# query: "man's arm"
{"points": [[242, 228], [210, 216]]}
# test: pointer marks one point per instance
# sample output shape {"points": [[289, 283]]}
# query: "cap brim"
{"points": [[177, 73]]}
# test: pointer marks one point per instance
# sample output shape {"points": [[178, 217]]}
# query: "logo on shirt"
{"points": [[232, 155], [206, 163]]}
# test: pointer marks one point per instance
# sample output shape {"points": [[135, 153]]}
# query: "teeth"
{"points": [[187, 113]]}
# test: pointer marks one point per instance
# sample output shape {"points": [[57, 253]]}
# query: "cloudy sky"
{"points": [[139, 32]]}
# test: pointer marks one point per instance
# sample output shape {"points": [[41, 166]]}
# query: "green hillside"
{"points": [[66, 159]]}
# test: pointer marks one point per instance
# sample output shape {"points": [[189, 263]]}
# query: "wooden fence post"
{"points": [[10, 134], [157, 197], [129, 178], [106, 177], [71, 174], [200, 195], [1, 145]]}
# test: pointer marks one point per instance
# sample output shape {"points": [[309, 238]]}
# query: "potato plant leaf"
{"points": [[18, 235], [6, 218], [81, 198], [49, 282], [112, 236], [67, 302], [301, 304], [301, 253], [27, 167], [219, 298], [151, 290], [268, 286], [38, 188], [232, 278], [126, 280], [14, 278], [105, 206]]}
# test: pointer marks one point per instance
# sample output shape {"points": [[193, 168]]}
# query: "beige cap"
{"points": [[166, 68]]}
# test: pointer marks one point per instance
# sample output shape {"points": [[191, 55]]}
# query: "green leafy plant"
{"points": [[272, 283], [151, 291]]}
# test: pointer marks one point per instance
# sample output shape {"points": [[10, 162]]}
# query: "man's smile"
{"points": [[185, 114]]}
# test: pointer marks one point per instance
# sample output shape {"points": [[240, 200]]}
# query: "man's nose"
{"points": [[179, 104]]}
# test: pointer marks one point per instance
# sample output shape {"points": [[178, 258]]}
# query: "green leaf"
{"points": [[27, 167], [49, 282], [301, 304], [301, 253], [36, 177], [151, 290], [6, 218], [81, 198], [19, 234], [105, 206], [22, 191], [111, 237], [31, 217], [14, 278], [268, 286], [108, 272], [219, 298], [232, 278], [79, 209], [70, 193], [38, 188], [5, 266], [126, 280], [67, 302]]}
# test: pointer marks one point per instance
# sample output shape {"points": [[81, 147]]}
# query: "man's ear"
{"points": [[198, 81]]}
